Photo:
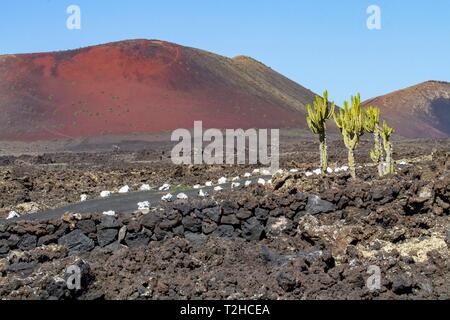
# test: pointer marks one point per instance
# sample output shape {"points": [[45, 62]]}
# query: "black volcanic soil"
{"points": [[400, 224]]}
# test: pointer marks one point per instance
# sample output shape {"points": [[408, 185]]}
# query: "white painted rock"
{"points": [[293, 170], [329, 170], [145, 187], [145, 205], [12, 215], [109, 213], [222, 180], [105, 194], [124, 189], [182, 196], [197, 186], [255, 171], [164, 187], [265, 172], [247, 183], [168, 197], [218, 188], [308, 174], [208, 184], [317, 172], [83, 197], [247, 175], [235, 185], [202, 193], [235, 178], [261, 181]]}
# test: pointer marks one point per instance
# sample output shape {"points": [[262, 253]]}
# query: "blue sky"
{"points": [[319, 44]]}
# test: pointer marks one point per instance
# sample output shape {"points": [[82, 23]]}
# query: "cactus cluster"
{"points": [[317, 118], [350, 121], [353, 122]]}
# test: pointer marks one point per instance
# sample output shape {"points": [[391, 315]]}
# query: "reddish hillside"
{"points": [[421, 111], [140, 86]]}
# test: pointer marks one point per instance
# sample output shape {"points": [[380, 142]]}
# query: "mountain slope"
{"points": [[140, 86], [421, 111]]}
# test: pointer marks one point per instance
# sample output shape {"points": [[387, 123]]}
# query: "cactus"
{"points": [[316, 119], [372, 125], [350, 121], [386, 133]]}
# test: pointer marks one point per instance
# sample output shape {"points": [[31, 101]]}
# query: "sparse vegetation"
{"points": [[350, 121], [317, 118], [386, 133], [372, 125]]}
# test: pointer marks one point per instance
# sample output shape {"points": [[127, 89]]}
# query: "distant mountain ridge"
{"points": [[140, 86], [420, 111]]}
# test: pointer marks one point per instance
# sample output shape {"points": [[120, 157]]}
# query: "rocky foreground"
{"points": [[301, 238]]}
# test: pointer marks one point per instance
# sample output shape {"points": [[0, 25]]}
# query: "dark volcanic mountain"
{"points": [[421, 111], [140, 86]]}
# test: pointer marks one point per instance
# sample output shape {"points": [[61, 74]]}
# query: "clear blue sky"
{"points": [[319, 44]]}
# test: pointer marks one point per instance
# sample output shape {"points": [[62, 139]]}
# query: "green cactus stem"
{"points": [[316, 119], [372, 125], [350, 121], [386, 133]]}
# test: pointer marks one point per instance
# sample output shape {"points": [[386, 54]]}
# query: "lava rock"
{"points": [[106, 236], [316, 205], [277, 226], [192, 224], [208, 226], [402, 285], [213, 213], [230, 219], [224, 231], [252, 229], [151, 220], [135, 240], [48, 239], [196, 239], [244, 214], [286, 281], [87, 226], [27, 242], [77, 242], [108, 222], [4, 247], [261, 214]]}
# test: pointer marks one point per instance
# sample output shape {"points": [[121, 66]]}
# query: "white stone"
{"points": [[293, 170], [182, 196], [197, 186], [255, 171], [222, 180], [261, 181], [317, 171], [145, 205], [83, 197], [105, 194], [247, 175], [269, 181], [208, 184], [266, 172], [109, 213], [403, 163], [164, 187], [124, 189], [235, 185], [202, 193], [236, 178], [247, 183], [168, 197], [12, 215], [308, 174], [329, 170], [218, 188], [145, 187]]}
